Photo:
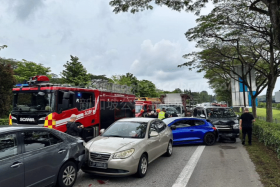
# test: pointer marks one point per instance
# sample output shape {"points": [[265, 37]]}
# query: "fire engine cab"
{"points": [[144, 105], [45, 104]]}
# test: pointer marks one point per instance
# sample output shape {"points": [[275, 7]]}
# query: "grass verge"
{"points": [[266, 162], [262, 112]]}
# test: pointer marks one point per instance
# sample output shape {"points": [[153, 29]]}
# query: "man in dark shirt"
{"points": [[245, 122], [72, 128]]}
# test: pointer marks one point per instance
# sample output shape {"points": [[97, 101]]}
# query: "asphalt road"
{"points": [[223, 164]]}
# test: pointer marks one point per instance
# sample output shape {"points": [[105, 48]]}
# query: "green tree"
{"points": [[128, 79], [75, 73], [177, 90], [147, 89], [268, 8], [232, 35], [7, 82], [99, 77], [26, 69]]}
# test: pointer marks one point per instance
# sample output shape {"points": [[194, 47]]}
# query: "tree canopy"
{"points": [[75, 73], [26, 69]]}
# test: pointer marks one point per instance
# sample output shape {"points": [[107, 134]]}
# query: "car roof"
{"points": [[211, 107], [6, 128], [141, 119]]}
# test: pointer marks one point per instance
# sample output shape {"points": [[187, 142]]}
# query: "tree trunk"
{"points": [[269, 104], [274, 14], [269, 92], [254, 107]]}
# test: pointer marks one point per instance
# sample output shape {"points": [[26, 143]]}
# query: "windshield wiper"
{"points": [[114, 136]]}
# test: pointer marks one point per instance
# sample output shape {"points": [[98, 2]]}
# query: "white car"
{"points": [[127, 147]]}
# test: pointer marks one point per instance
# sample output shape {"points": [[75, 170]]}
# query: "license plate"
{"points": [[229, 134], [98, 165]]}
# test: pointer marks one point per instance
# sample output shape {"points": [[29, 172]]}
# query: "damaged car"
{"points": [[223, 118]]}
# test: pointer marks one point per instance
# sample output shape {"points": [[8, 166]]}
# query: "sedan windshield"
{"points": [[220, 112], [33, 101], [127, 129]]}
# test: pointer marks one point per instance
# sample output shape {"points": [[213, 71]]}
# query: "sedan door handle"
{"points": [[191, 130], [16, 165], [61, 151]]}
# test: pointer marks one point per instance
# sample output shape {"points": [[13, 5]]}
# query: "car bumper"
{"points": [[116, 167], [231, 134]]}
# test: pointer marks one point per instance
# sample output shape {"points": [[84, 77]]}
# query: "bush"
{"points": [[4, 121], [278, 106], [269, 134], [261, 105]]}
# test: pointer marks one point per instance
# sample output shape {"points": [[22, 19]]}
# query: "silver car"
{"points": [[127, 147]]}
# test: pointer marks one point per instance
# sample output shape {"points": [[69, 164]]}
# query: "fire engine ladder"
{"points": [[104, 85]]}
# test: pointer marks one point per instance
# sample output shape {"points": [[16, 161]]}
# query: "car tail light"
{"points": [[142, 110], [214, 128]]}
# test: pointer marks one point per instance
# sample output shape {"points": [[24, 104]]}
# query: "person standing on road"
{"points": [[245, 123], [73, 128], [162, 115]]}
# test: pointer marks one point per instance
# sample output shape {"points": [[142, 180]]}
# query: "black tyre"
{"points": [[233, 140], [169, 149], [67, 175], [209, 138], [142, 166]]}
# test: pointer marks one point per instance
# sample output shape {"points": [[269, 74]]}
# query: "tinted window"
{"points": [[8, 145], [35, 140], [54, 139], [183, 123], [198, 122]]}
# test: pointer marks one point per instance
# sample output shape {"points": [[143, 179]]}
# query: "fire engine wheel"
{"points": [[67, 175]]}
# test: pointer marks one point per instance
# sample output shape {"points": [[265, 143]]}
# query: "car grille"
{"points": [[99, 157]]}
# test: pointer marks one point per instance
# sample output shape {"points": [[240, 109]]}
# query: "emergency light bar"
{"points": [[22, 85]]}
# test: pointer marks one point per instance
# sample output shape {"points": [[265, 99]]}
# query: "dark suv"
{"points": [[223, 118]]}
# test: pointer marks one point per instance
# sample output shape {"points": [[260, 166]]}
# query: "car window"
{"points": [[8, 145], [161, 126], [53, 139], [153, 126], [198, 122], [183, 123], [36, 140]]}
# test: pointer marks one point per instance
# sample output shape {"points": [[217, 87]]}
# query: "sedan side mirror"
{"points": [[153, 134], [202, 115], [173, 127], [102, 131]]}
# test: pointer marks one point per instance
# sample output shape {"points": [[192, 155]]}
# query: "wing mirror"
{"points": [[202, 115], [173, 127], [102, 131], [153, 134]]}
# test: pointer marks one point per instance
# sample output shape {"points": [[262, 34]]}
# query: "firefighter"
{"points": [[73, 128], [162, 114]]}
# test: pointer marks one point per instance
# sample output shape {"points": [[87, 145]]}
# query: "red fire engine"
{"points": [[144, 105], [44, 104]]}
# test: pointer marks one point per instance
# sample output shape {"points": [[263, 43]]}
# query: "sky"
{"points": [[148, 44]]}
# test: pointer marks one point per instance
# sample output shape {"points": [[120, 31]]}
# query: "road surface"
{"points": [[223, 164]]}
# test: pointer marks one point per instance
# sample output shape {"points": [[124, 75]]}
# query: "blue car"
{"points": [[192, 131]]}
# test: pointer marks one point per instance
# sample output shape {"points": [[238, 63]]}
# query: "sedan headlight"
{"points": [[123, 154], [236, 126]]}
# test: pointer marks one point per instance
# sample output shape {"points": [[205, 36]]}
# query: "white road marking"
{"points": [[186, 173]]}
